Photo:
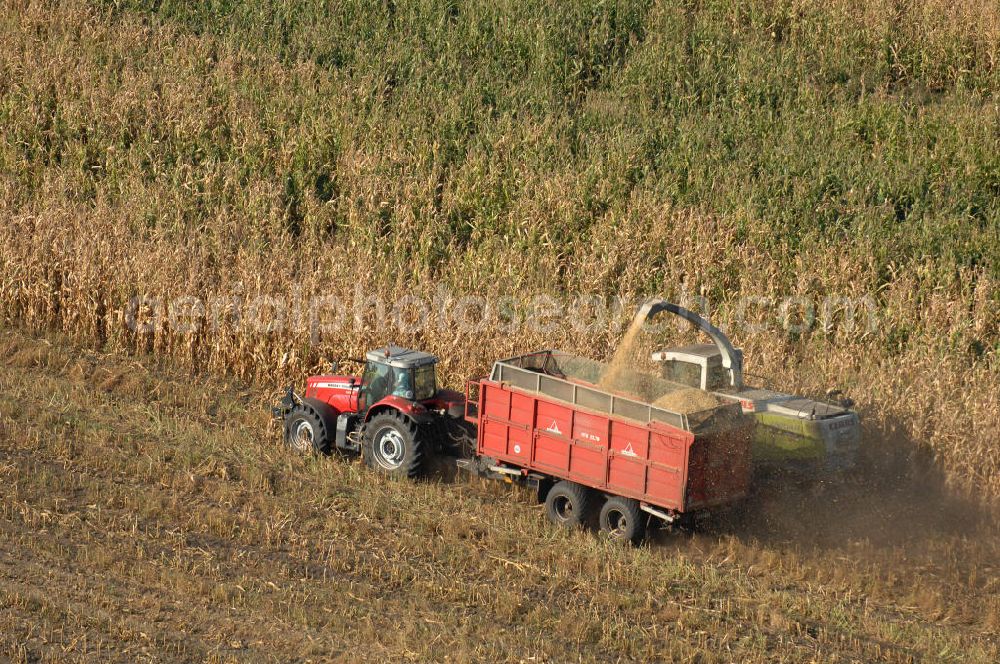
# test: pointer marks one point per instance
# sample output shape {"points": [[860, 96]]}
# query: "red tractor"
{"points": [[393, 414]]}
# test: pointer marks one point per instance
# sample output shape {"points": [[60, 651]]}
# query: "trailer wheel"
{"points": [[391, 444], [307, 428], [568, 504], [622, 520]]}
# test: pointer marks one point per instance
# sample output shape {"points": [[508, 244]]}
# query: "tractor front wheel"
{"points": [[391, 444], [307, 428]]}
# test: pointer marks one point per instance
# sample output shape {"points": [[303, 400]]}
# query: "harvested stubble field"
{"points": [[149, 516], [767, 149]]}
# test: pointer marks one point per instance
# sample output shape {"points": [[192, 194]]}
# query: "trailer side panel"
{"points": [[648, 462]]}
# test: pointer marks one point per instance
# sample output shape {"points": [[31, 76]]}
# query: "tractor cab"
{"points": [[398, 372]]}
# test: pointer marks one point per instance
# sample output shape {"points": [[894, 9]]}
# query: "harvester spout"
{"points": [[732, 359]]}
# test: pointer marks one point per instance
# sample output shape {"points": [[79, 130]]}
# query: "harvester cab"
{"points": [[699, 366]]}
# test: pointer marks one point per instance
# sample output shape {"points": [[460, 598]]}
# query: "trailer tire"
{"points": [[308, 427], [392, 444], [568, 504], [622, 520]]}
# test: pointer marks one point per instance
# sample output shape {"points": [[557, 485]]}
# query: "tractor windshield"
{"points": [[376, 382], [413, 384]]}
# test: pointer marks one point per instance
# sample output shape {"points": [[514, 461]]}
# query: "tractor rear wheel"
{"points": [[568, 504], [622, 520], [308, 427], [392, 444]]}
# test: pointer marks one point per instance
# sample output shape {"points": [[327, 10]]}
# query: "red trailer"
{"points": [[543, 419]]}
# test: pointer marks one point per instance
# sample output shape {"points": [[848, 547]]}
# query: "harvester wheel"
{"points": [[391, 444], [622, 520], [568, 504], [308, 427]]}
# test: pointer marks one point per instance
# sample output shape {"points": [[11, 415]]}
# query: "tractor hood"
{"points": [[331, 382]]}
